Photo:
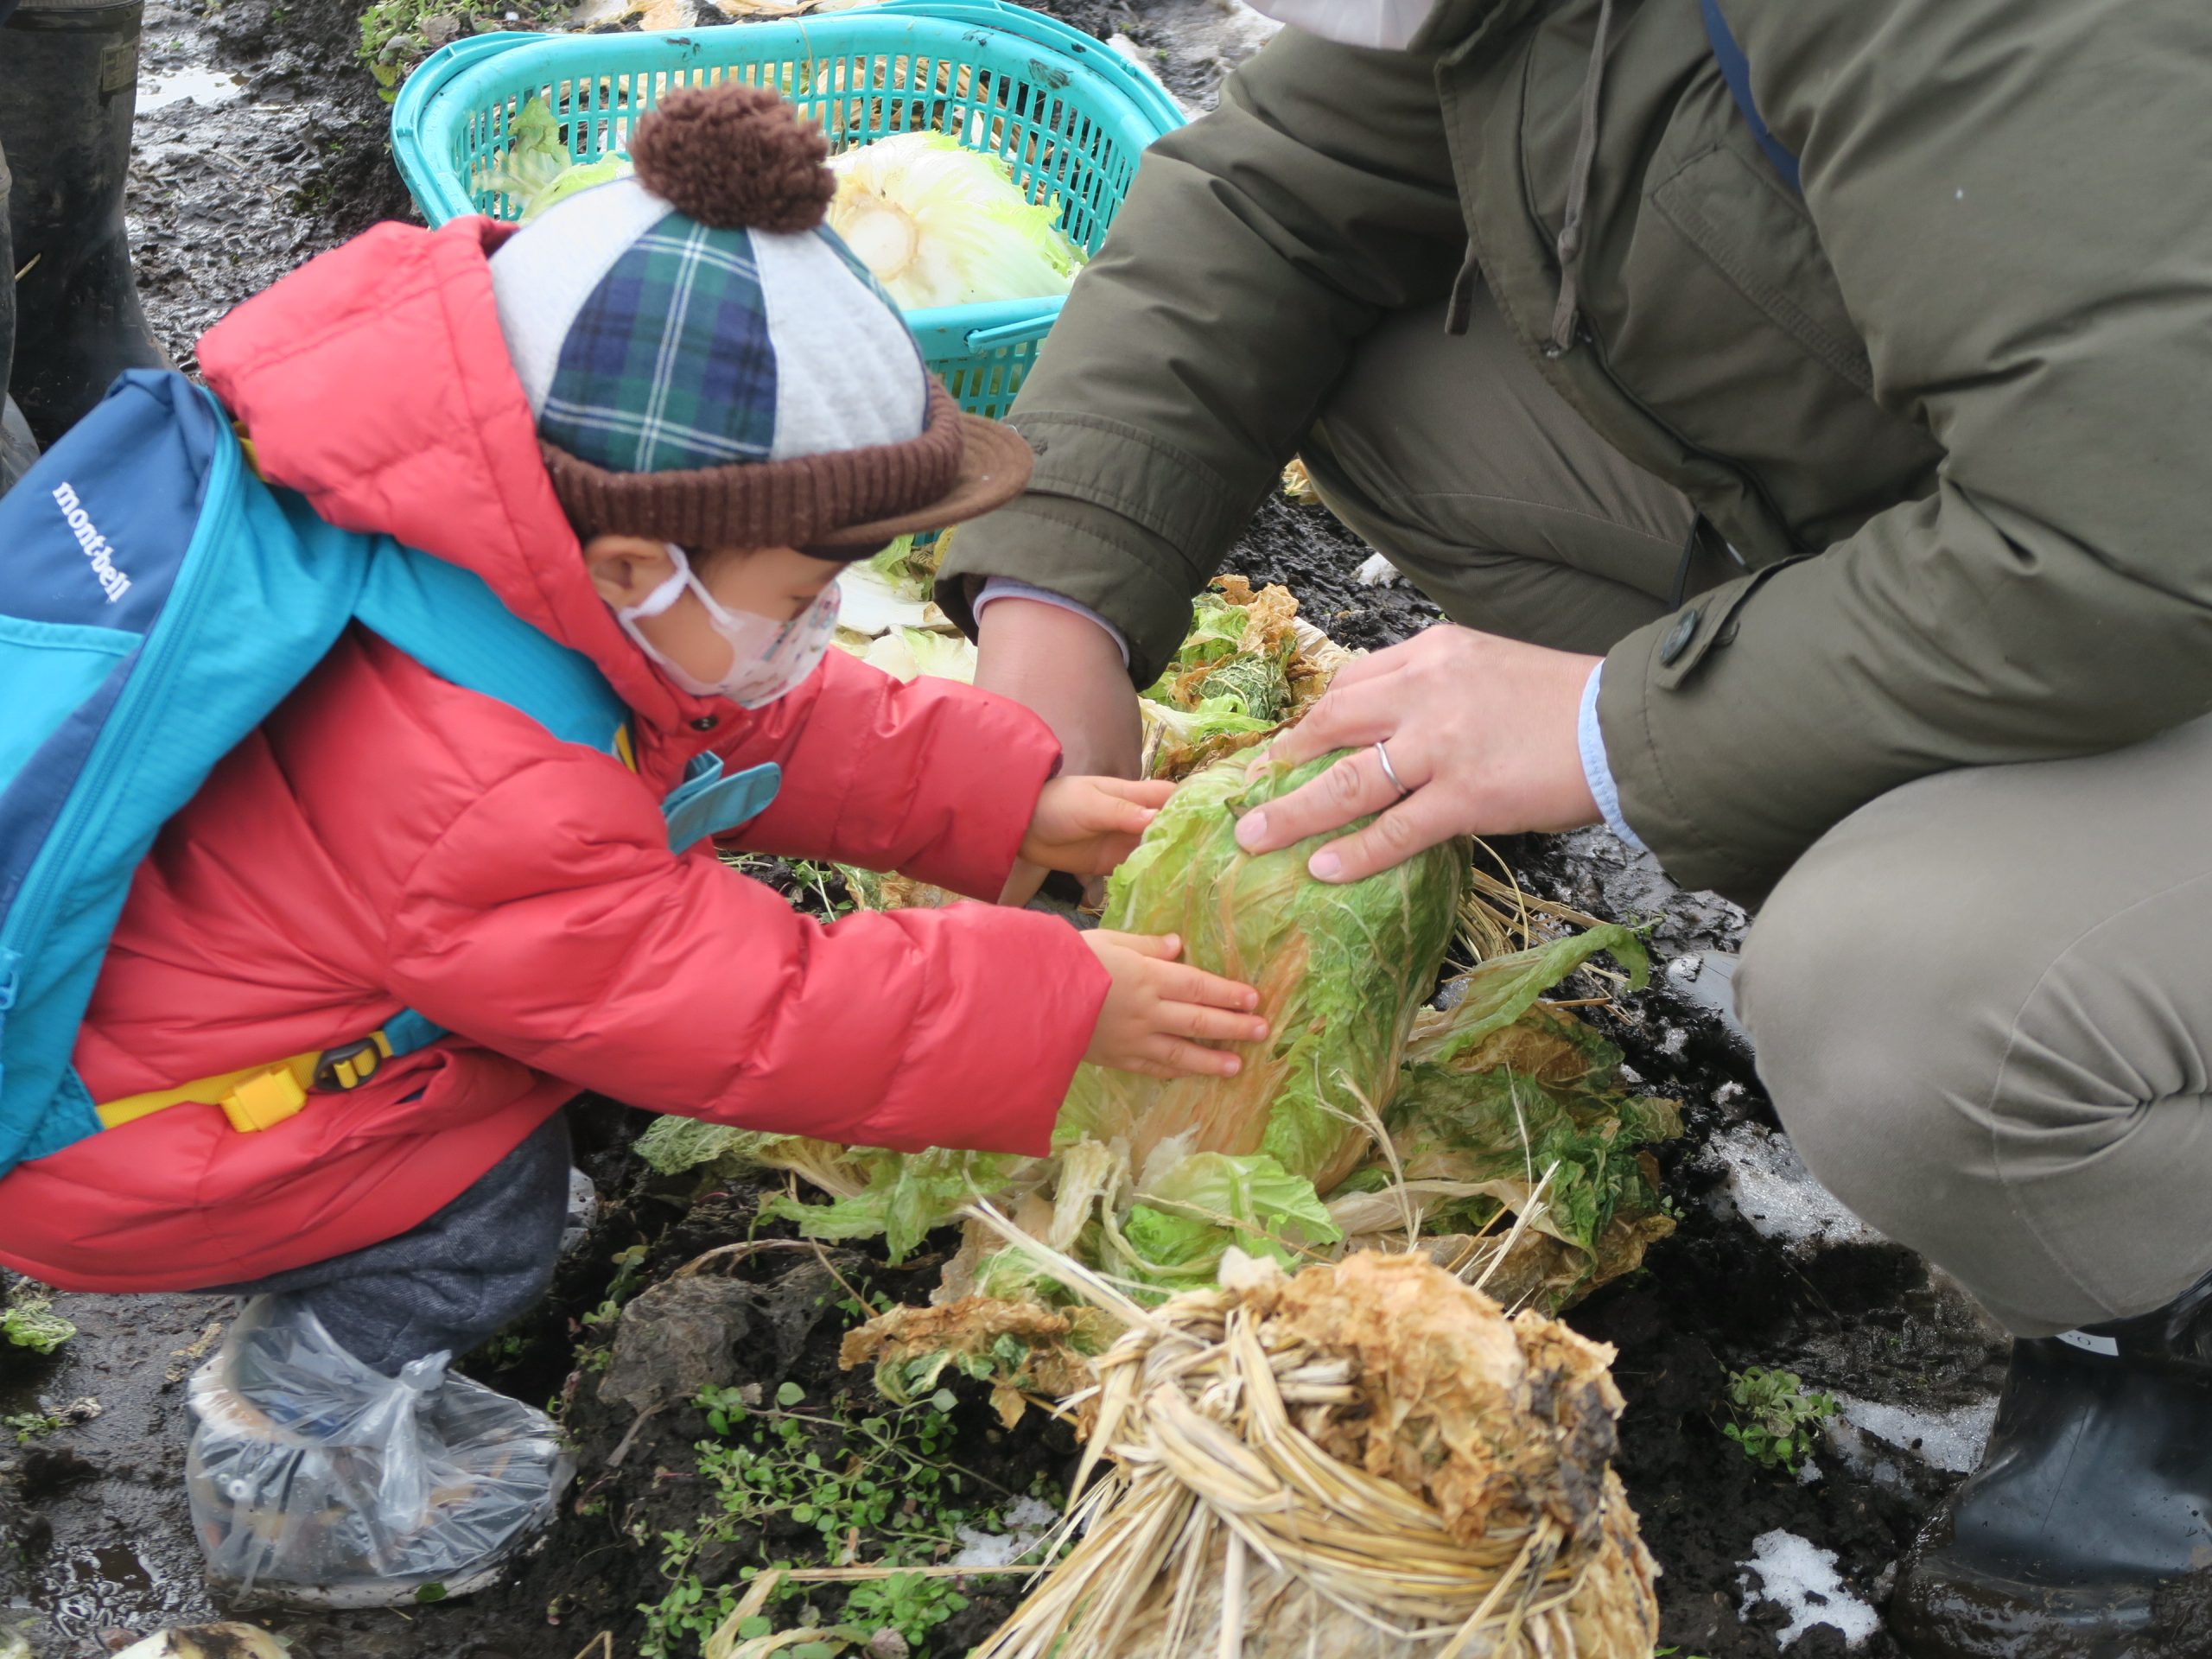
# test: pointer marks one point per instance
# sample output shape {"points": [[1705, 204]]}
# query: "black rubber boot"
{"points": [[2092, 1503], [18, 448], [68, 86]]}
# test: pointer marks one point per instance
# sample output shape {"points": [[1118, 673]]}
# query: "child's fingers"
{"points": [[1179, 1058], [1111, 814], [1143, 791], [1210, 1025], [1183, 983], [1166, 946]]}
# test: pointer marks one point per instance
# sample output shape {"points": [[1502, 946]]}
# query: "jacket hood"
{"points": [[374, 380]]}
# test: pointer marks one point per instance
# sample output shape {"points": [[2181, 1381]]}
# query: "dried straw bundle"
{"points": [[1366, 1458]]}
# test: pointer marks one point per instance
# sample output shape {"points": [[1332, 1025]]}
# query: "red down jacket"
{"points": [[388, 840]]}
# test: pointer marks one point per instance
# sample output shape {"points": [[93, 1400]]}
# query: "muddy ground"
{"points": [[261, 142]]}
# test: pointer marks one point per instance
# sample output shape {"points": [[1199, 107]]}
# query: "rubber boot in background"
{"points": [[2095, 1496], [68, 87], [18, 449]]}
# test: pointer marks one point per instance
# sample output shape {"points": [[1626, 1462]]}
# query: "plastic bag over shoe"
{"points": [[315, 1480]]}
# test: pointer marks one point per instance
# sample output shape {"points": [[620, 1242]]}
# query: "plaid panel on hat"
{"points": [[668, 364]]}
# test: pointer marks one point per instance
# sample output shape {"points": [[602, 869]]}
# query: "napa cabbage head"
{"points": [[1342, 970], [942, 224]]}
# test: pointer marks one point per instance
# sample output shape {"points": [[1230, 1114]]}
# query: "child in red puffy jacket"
{"points": [[657, 423]]}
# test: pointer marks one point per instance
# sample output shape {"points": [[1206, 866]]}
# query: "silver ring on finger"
{"points": [[1391, 772]]}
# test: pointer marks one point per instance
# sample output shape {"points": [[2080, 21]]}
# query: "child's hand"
{"points": [[1160, 1013], [1088, 825]]}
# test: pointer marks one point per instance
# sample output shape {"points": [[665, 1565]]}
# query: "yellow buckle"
{"points": [[264, 1102], [350, 1064]]}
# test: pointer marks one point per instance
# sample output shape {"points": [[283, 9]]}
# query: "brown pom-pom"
{"points": [[734, 158]]}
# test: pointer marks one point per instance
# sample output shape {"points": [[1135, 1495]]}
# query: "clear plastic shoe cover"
{"points": [[315, 1480]]}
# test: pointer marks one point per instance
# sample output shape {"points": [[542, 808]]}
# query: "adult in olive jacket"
{"points": [[1823, 477]]}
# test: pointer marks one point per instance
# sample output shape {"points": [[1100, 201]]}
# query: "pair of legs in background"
{"points": [[1982, 1004], [70, 319]]}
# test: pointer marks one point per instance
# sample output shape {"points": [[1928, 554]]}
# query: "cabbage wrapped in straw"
{"points": [[1368, 1458]]}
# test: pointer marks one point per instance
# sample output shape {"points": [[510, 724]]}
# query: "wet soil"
{"points": [[275, 150]]}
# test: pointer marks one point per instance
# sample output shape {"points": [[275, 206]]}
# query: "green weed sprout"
{"points": [[1774, 1418], [28, 1320]]}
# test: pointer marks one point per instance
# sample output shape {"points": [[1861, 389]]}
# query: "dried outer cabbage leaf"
{"points": [[910, 563], [1341, 971], [675, 1146], [1017, 1347], [1492, 995], [1536, 1104], [1241, 671], [875, 1192], [907, 1196]]}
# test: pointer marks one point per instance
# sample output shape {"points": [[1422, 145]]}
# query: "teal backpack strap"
{"points": [[449, 620]]}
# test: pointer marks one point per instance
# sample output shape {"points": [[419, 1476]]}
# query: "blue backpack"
{"points": [[160, 601]]}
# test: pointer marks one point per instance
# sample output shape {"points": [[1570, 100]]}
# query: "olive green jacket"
{"points": [[1954, 406]]}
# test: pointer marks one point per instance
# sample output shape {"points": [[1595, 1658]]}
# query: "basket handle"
{"points": [[1013, 333], [1136, 82], [424, 183]]}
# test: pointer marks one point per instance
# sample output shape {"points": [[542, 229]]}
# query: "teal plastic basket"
{"points": [[1068, 112]]}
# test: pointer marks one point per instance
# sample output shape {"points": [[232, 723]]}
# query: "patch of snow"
{"points": [[205, 87], [1377, 571], [1771, 1189], [1951, 1439], [1800, 1577], [1228, 31], [1027, 1520], [583, 1213]]}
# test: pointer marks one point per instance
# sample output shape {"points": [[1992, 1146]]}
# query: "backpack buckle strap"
{"points": [[350, 1064], [263, 1100]]}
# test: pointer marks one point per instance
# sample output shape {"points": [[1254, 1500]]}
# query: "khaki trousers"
{"points": [[1983, 1003]]}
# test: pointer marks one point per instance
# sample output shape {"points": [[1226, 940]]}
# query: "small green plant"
{"points": [[28, 1320], [1774, 1419], [394, 38], [908, 1603], [882, 1487], [629, 1279], [29, 1425]]}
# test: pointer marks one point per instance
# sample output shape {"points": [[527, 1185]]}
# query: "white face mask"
{"points": [[1389, 24], [767, 657]]}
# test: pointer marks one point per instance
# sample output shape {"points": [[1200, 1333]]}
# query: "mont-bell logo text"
{"points": [[112, 581]]}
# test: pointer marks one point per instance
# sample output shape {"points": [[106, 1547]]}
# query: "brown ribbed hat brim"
{"points": [[960, 466], [995, 463]]}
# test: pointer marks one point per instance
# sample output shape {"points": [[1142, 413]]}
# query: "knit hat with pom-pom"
{"points": [[710, 365]]}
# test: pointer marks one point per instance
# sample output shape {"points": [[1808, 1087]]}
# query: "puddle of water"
{"points": [[109, 1586], [205, 87]]}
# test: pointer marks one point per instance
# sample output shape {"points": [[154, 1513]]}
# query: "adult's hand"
{"points": [[1480, 729], [1069, 670]]}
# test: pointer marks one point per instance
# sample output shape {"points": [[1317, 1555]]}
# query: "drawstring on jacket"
{"points": [[1569, 310]]}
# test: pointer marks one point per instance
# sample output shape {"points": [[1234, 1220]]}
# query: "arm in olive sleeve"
{"points": [[1256, 247], [2027, 250]]}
